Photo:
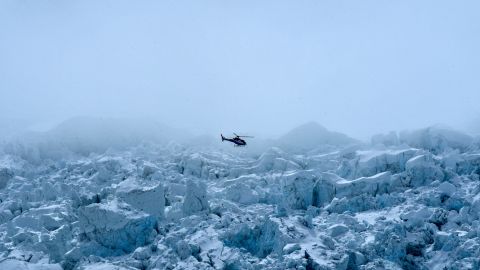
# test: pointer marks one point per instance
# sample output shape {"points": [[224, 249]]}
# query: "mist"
{"points": [[260, 68], [239, 134]]}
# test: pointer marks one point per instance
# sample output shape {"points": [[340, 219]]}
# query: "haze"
{"points": [[262, 67]]}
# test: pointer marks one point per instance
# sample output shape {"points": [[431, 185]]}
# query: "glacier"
{"points": [[313, 199]]}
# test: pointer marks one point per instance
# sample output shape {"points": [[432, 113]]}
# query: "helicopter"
{"points": [[237, 140]]}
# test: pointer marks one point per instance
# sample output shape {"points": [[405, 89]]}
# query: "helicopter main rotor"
{"points": [[242, 136]]}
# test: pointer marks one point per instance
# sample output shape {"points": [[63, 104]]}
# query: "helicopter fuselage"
{"points": [[236, 140]]}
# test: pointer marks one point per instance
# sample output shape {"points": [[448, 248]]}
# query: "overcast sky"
{"points": [[359, 67]]}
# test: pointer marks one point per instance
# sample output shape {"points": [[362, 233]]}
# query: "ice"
{"points": [[260, 240], [149, 199], [5, 176], [312, 135], [447, 189], [298, 189], [325, 189], [195, 198], [373, 185], [115, 226], [389, 139], [371, 162], [410, 201], [289, 248], [10, 264], [422, 170], [337, 229], [437, 139], [241, 193], [183, 249]]}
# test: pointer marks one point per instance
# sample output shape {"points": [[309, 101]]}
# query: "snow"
{"points": [[311, 135], [5, 176], [10, 264], [436, 139], [402, 202], [447, 188], [337, 230], [113, 225], [151, 200], [195, 198]]}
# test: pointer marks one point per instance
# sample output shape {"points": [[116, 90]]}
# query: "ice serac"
{"points": [[193, 165], [200, 166], [260, 240], [422, 170], [389, 139], [241, 193], [116, 226], [373, 185], [411, 204], [325, 189], [307, 188], [149, 199], [468, 163], [371, 162], [437, 139], [297, 188], [5, 176], [195, 198], [274, 160]]}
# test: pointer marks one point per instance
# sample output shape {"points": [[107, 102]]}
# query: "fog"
{"points": [[257, 67]]}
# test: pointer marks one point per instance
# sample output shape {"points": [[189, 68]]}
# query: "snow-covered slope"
{"points": [[312, 135], [173, 206], [437, 138], [85, 135]]}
